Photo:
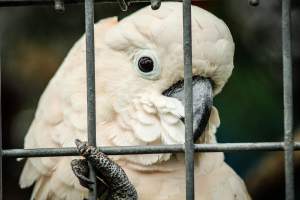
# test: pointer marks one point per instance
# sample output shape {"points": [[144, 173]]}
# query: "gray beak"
{"points": [[202, 101]]}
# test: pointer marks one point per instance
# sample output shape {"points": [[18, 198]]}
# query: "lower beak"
{"points": [[202, 101]]}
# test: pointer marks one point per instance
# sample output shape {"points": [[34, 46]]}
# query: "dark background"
{"points": [[34, 41]]}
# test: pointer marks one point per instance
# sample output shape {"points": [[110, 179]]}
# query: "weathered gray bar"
{"points": [[288, 100], [90, 73], [1, 164], [188, 99], [127, 150], [9, 3]]}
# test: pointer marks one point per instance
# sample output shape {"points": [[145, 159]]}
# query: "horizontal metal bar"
{"points": [[127, 150], [9, 3]]}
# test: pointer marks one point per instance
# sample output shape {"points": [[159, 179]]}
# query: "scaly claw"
{"points": [[81, 170], [113, 176], [84, 149]]}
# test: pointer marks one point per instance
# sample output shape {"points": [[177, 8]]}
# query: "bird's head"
{"points": [[143, 53]]}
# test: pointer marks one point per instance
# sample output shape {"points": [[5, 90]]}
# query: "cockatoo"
{"points": [[139, 101]]}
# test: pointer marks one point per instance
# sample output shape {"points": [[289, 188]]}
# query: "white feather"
{"points": [[132, 110]]}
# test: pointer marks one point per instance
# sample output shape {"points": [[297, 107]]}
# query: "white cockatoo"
{"points": [[139, 101]]}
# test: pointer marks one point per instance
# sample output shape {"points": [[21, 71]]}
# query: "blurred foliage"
{"points": [[35, 40]]}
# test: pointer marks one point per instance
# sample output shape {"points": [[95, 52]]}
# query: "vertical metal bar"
{"points": [[288, 100], [90, 72], [188, 95], [1, 191]]}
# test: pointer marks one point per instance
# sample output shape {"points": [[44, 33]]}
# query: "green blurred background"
{"points": [[34, 41]]}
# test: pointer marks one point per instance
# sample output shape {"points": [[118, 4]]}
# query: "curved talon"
{"points": [[85, 149], [83, 178], [81, 146]]}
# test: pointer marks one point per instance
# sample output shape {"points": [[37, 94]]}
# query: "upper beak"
{"points": [[202, 101]]}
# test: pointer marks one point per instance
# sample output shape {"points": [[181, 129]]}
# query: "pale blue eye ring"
{"points": [[146, 64]]}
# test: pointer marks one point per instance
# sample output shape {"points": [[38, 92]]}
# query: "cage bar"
{"points": [[1, 164], [188, 99], [9, 3], [288, 100], [90, 74], [131, 150], [1, 152]]}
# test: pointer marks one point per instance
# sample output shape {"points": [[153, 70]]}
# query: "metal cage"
{"points": [[189, 148]]}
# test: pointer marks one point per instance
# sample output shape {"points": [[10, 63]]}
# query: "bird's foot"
{"points": [[80, 168], [109, 174]]}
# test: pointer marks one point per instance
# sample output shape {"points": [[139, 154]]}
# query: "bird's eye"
{"points": [[146, 64]]}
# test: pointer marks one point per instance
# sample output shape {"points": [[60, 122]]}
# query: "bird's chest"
{"points": [[158, 185]]}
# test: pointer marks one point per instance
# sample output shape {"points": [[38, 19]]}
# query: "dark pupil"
{"points": [[145, 64]]}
